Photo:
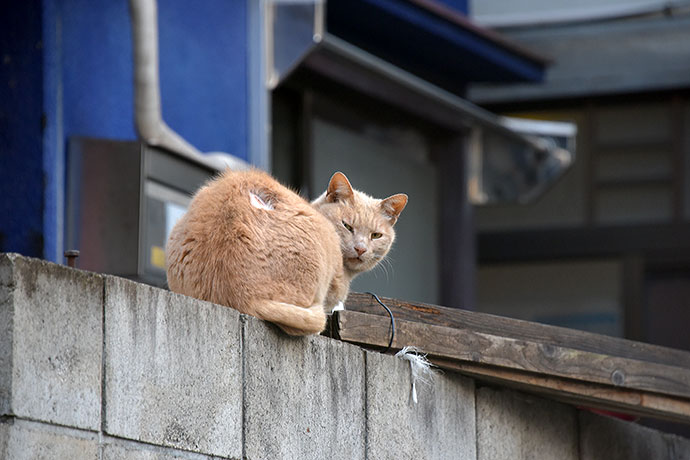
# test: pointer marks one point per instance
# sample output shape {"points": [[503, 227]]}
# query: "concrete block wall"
{"points": [[98, 367]]}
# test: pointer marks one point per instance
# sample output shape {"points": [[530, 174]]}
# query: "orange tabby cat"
{"points": [[252, 244]]}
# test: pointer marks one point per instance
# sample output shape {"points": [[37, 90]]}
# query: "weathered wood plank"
{"points": [[527, 355], [632, 402], [520, 330]]}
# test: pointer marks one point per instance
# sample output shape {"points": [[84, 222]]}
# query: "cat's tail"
{"points": [[293, 319]]}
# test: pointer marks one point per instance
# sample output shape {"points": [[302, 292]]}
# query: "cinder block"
{"points": [[51, 342], [173, 373], [606, 438], [23, 439], [516, 426], [119, 449], [304, 396], [441, 425]]}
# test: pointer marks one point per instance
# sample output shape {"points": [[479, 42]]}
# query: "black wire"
{"points": [[390, 313]]}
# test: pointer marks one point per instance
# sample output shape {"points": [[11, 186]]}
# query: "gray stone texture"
{"points": [[607, 438], [51, 342], [26, 440], [441, 425], [516, 426], [7, 285], [173, 371], [185, 379], [304, 397]]}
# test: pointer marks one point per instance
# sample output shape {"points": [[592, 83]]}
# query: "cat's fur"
{"points": [[252, 244]]}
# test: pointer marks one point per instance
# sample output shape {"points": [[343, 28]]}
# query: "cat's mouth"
{"points": [[355, 262]]}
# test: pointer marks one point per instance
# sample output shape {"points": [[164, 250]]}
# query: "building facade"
{"points": [[371, 87]]}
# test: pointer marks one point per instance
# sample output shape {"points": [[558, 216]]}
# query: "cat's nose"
{"points": [[360, 250]]}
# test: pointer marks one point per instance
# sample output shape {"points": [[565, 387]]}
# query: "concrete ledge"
{"points": [[51, 342], [516, 426], [22, 439], [173, 373], [304, 397], [101, 367], [441, 425]]}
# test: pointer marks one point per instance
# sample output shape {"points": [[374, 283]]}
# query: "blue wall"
{"points": [[202, 61], [69, 73], [203, 55], [21, 109]]}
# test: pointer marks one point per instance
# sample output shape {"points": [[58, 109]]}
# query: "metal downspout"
{"points": [[147, 97]]}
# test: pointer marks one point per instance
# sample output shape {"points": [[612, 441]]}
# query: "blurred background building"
{"points": [[402, 96], [608, 248]]}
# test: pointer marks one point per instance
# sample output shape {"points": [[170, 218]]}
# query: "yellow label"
{"points": [[157, 257]]}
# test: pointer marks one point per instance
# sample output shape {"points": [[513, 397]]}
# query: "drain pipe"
{"points": [[147, 96]]}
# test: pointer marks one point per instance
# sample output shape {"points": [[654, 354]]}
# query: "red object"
{"points": [[608, 413]]}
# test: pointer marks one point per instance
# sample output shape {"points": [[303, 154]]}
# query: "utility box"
{"points": [[123, 199]]}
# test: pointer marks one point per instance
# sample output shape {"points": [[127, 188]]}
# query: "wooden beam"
{"points": [[518, 329], [582, 394], [587, 378]]}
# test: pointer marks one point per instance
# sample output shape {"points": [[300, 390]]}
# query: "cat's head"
{"points": [[364, 224]]}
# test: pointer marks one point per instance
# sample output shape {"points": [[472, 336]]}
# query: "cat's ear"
{"points": [[339, 189], [393, 206]]}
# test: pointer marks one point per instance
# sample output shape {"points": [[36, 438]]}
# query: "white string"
{"points": [[420, 367]]}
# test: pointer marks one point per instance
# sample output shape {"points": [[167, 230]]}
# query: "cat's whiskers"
{"points": [[389, 264], [383, 266]]}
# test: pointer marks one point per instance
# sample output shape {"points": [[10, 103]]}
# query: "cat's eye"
{"points": [[348, 227], [376, 235]]}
